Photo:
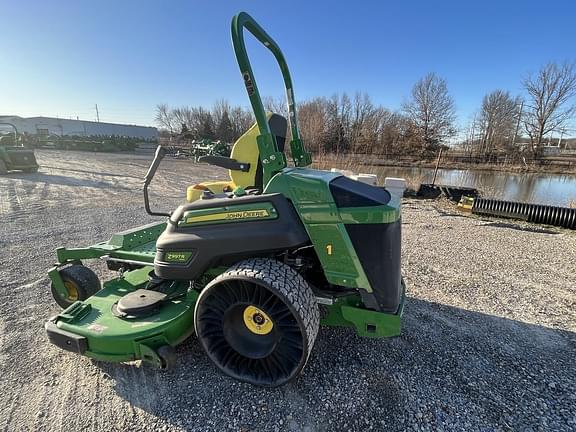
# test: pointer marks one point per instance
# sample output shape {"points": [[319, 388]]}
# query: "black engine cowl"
{"points": [[221, 244]]}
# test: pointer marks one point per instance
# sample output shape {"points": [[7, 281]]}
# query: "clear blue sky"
{"points": [[62, 57]]}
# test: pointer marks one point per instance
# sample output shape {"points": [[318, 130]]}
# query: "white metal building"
{"points": [[57, 126]]}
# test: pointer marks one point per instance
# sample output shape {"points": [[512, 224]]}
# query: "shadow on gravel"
{"points": [[94, 172], [66, 181], [444, 213], [451, 369], [534, 229]]}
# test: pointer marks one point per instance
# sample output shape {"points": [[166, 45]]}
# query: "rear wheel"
{"points": [[80, 283], [3, 168], [258, 322]]}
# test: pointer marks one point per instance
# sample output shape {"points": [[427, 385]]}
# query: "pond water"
{"points": [[551, 189]]}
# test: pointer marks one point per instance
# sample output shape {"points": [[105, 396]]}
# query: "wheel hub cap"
{"points": [[72, 290], [257, 321]]}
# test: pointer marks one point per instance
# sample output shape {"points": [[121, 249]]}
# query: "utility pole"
{"points": [[517, 124], [437, 165], [560, 139], [97, 114]]}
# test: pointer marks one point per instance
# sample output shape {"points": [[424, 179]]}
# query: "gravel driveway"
{"points": [[489, 338]]}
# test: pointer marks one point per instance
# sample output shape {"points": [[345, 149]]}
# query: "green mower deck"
{"points": [[90, 329]]}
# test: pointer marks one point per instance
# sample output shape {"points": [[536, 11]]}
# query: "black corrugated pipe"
{"points": [[558, 216]]}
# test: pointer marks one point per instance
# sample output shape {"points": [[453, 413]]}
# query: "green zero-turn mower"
{"points": [[253, 265], [13, 156]]}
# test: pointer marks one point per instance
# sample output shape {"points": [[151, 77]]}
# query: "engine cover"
{"points": [[221, 231]]}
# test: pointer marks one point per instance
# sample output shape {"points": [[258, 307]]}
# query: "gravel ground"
{"points": [[488, 342]]}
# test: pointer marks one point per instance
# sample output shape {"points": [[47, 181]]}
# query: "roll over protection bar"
{"points": [[272, 160]]}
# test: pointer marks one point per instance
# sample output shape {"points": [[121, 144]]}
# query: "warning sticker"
{"points": [[97, 328]]}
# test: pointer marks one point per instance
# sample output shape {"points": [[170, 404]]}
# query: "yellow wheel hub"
{"points": [[257, 321], [72, 290]]}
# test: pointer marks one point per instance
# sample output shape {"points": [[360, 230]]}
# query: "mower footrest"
{"points": [[65, 339]]}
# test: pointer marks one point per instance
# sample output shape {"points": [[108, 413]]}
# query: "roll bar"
{"points": [[272, 160]]}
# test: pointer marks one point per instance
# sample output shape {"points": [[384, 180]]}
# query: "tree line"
{"points": [[514, 125], [426, 121]]}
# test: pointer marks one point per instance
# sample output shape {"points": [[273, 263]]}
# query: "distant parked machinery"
{"points": [[13, 155], [206, 147], [87, 143], [186, 147]]}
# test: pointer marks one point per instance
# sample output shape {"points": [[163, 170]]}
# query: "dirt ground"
{"points": [[489, 337]]}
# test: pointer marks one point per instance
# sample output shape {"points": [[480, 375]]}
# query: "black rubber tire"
{"points": [[84, 280], [168, 356], [3, 168], [279, 291]]}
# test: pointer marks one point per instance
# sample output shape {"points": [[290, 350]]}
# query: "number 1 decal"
{"points": [[329, 249]]}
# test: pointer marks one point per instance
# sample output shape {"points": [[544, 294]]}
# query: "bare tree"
{"points": [[391, 131], [548, 108], [431, 111], [185, 117], [219, 108], [497, 121], [164, 119], [275, 105], [365, 125], [312, 122], [242, 119]]}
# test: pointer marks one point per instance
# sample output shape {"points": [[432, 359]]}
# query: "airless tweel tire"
{"points": [[258, 322]]}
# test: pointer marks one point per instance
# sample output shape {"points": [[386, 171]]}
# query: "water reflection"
{"points": [[552, 189]]}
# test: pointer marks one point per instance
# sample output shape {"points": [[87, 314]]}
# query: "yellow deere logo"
{"points": [[245, 214], [248, 214]]}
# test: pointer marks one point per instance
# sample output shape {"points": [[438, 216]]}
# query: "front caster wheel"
{"points": [[80, 283], [167, 356], [258, 322]]}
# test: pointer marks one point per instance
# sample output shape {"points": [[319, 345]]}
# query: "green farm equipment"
{"points": [[197, 148], [206, 147], [108, 144], [14, 156], [253, 266]]}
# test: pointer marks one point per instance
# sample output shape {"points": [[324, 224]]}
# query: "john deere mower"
{"points": [[253, 265], [14, 156]]}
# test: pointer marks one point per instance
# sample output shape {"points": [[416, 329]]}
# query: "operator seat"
{"points": [[244, 165]]}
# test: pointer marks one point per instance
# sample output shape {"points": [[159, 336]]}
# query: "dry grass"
{"points": [[341, 161], [414, 182]]}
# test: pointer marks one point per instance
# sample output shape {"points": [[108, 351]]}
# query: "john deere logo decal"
{"points": [[248, 214], [231, 215]]}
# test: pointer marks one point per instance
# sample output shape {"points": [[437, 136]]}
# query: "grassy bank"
{"points": [[344, 160], [415, 179]]}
